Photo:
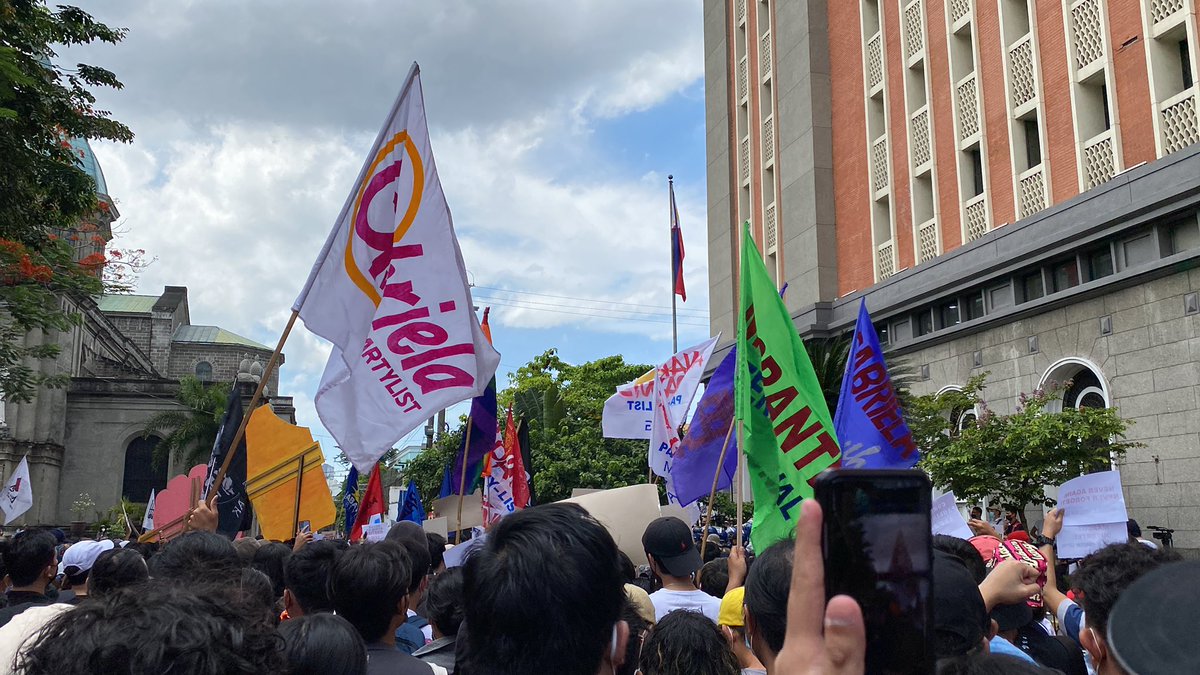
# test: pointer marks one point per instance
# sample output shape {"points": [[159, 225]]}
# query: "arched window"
{"points": [[204, 371], [142, 473], [1087, 390]]}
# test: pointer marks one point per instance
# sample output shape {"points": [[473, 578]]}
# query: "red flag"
{"points": [[677, 249], [372, 504], [512, 448]]}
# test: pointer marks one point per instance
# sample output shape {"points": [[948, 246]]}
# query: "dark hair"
{"points": [[437, 550], [714, 577], [323, 644], [1134, 529], [195, 557], [115, 569], [637, 630], [254, 593], [444, 601], [367, 585], [687, 643], [546, 577], [965, 552], [981, 663], [411, 538], [767, 588], [1105, 574], [306, 575], [270, 560], [147, 549], [628, 571], [154, 628], [246, 548], [29, 552]]}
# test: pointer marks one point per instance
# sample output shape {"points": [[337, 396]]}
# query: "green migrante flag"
{"points": [[788, 431]]}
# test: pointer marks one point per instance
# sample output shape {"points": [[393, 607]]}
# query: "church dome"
{"points": [[89, 164]]}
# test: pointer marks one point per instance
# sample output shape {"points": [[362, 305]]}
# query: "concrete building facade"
{"points": [[1012, 185]]}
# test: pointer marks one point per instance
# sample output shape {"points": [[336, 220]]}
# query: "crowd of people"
{"points": [[548, 591]]}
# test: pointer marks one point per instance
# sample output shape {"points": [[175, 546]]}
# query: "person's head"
{"points": [[411, 538], [961, 622], [966, 553], [154, 628], [115, 569], [78, 560], [976, 512], [195, 557], [1151, 627], [323, 644], [687, 643], [628, 569], [270, 559], [766, 597], [632, 615], [547, 576], [982, 663], [306, 578], [369, 588], [714, 577], [444, 602], [246, 547], [437, 552], [1011, 515], [30, 559], [1135, 530], [732, 624], [254, 592], [669, 546], [1102, 577]]}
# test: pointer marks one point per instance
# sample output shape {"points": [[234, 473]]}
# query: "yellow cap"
{"points": [[731, 608]]}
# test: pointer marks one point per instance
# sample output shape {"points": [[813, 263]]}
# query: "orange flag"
{"points": [[275, 453]]}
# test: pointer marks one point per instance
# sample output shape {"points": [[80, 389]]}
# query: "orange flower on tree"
{"points": [[93, 261]]}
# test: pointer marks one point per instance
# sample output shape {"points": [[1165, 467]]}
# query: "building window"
{"points": [[1183, 236], [204, 371], [1063, 275], [948, 314], [142, 472], [924, 320], [881, 331], [972, 306], [1185, 64], [1000, 296], [1032, 287], [976, 171], [1139, 250], [1033, 142], [1099, 263]]}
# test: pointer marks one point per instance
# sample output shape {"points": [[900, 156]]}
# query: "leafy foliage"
{"points": [[191, 430], [1011, 457], [43, 191]]}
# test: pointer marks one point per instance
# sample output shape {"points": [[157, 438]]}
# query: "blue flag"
{"points": [[478, 440], [350, 497], [412, 509], [697, 455], [869, 422]]}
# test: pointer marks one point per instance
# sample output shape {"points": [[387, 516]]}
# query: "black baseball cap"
{"points": [[669, 540], [1151, 627], [960, 619]]}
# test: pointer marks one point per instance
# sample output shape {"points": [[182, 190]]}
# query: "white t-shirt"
{"points": [[696, 601]]}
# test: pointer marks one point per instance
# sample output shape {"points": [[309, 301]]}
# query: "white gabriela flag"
{"points": [[148, 521], [18, 493], [389, 290], [629, 413], [674, 387]]}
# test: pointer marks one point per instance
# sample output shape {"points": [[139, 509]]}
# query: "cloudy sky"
{"points": [[554, 125]]}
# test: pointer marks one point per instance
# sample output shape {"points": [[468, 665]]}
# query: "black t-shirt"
{"points": [[19, 601]]}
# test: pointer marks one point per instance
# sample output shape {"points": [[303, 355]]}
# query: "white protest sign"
{"points": [[947, 519], [439, 525], [1093, 499], [625, 513], [1078, 541], [629, 413], [375, 531], [472, 510]]}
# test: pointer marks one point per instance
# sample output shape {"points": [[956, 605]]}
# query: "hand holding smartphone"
{"points": [[877, 542]]}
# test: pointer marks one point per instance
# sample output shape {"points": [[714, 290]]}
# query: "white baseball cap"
{"points": [[82, 555]]}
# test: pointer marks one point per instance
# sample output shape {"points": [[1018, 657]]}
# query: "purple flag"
{"points": [[869, 422], [697, 455], [478, 441]]}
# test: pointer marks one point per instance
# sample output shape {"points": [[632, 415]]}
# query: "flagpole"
{"points": [[299, 489], [670, 217], [258, 393], [738, 474], [712, 495], [462, 481]]}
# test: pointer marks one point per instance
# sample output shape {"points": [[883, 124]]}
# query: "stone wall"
{"points": [[1149, 364], [225, 360]]}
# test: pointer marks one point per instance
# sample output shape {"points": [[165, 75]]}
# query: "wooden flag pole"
{"points": [[299, 489], [738, 474], [712, 494], [258, 393], [462, 481]]}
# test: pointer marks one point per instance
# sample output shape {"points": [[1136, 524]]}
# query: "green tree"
{"points": [[1012, 457], [189, 431], [43, 191]]}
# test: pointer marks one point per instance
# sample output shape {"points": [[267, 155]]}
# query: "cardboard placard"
{"points": [[436, 525], [625, 512], [472, 511]]}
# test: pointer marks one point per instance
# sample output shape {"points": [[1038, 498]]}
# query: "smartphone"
{"points": [[878, 549], [305, 527]]}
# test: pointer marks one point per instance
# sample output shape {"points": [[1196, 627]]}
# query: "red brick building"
{"points": [[1012, 185]]}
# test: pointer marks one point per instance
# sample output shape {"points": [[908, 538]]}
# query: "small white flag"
{"points": [[390, 291], [629, 413], [18, 493], [148, 521]]}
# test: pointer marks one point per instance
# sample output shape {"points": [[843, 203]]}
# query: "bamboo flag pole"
{"points": [[712, 494], [462, 481], [738, 474], [299, 489]]}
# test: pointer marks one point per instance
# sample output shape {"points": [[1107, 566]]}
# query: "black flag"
{"points": [[233, 506], [526, 456]]}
